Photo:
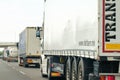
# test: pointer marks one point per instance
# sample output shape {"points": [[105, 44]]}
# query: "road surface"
{"points": [[11, 71]]}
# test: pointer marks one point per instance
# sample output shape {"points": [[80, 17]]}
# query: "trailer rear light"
{"points": [[107, 77], [102, 77], [29, 61], [111, 77]]}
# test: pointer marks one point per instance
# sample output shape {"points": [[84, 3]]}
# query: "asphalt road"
{"points": [[11, 71]]}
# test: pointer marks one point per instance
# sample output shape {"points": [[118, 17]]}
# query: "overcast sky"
{"points": [[15, 15]]}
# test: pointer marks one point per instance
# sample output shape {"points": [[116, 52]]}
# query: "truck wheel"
{"points": [[37, 65], [74, 69], [43, 75], [25, 65], [8, 60], [85, 67], [81, 70], [68, 69]]}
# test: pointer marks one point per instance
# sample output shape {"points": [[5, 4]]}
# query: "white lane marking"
{"points": [[22, 72]]}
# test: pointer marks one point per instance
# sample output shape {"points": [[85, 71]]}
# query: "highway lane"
{"points": [[7, 73], [11, 71]]}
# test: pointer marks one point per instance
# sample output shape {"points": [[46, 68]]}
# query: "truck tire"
{"points": [[74, 69], [81, 70], [37, 65], [25, 65], [68, 69], [8, 60], [43, 75], [85, 67]]}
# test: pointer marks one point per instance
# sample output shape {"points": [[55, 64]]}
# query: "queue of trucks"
{"points": [[29, 48], [27, 52], [79, 40], [10, 54]]}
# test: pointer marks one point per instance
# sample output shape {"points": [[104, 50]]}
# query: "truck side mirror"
{"points": [[37, 31], [17, 44]]}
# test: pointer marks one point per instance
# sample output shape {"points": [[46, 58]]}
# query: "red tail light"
{"points": [[111, 77], [107, 77], [102, 78]]}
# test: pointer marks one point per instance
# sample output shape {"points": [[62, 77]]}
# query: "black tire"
{"points": [[85, 67], [43, 75], [38, 65], [74, 69], [8, 61], [25, 65], [80, 70], [68, 70]]}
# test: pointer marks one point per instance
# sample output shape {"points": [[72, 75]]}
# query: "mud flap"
{"points": [[93, 77]]}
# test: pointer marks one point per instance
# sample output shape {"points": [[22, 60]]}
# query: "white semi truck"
{"points": [[29, 51], [12, 54], [81, 39]]}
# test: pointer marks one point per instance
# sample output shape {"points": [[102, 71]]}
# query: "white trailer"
{"points": [[81, 39], [12, 54], [29, 50]]}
